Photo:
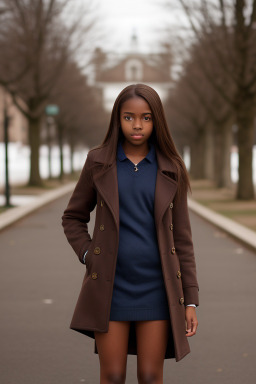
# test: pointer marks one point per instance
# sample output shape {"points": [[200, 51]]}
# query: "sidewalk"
{"points": [[29, 199], [218, 206], [21, 194], [223, 201], [40, 282]]}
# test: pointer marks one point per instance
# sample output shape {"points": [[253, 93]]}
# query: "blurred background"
{"points": [[62, 65]]}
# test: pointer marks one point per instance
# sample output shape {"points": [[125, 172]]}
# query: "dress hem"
{"points": [[139, 314]]}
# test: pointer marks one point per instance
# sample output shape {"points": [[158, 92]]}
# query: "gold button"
{"points": [[171, 226], [182, 300], [171, 205], [102, 203], [173, 250], [179, 274], [94, 275], [102, 227], [97, 250]]}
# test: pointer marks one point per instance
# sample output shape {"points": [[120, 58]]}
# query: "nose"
{"points": [[137, 123]]}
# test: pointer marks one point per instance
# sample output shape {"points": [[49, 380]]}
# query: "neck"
{"points": [[135, 150]]}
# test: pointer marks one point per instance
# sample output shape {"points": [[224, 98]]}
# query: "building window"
{"points": [[133, 70]]}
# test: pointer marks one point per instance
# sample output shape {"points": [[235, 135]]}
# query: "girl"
{"points": [[140, 287]]}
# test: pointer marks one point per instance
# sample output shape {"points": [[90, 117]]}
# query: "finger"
{"points": [[189, 325], [192, 330], [194, 326], [191, 333]]}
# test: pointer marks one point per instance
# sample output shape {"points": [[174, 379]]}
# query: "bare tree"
{"points": [[188, 122], [221, 116], [81, 119], [35, 46], [227, 28]]}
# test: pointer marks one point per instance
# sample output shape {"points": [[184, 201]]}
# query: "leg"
{"points": [[112, 348], [152, 337]]}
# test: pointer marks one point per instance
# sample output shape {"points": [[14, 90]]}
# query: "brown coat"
{"points": [[92, 310]]}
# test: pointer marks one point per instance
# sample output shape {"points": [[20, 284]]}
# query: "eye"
{"points": [[147, 118], [127, 118]]}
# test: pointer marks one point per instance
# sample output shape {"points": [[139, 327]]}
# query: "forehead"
{"points": [[136, 105]]}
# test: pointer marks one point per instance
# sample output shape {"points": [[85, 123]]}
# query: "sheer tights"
{"points": [[151, 346]]}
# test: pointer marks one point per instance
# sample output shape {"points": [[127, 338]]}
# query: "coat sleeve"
{"points": [[77, 214], [185, 249]]}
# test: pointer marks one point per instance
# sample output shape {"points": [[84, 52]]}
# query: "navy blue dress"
{"points": [[139, 291]]}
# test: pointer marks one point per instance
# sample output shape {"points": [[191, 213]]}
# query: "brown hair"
{"points": [[160, 136]]}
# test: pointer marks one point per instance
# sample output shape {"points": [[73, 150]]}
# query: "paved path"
{"points": [[39, 286]]}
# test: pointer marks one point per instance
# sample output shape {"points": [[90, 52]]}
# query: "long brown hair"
{"points": [[160, 136]]}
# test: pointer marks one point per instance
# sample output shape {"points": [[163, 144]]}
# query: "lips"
{"points": [[137, 136]]}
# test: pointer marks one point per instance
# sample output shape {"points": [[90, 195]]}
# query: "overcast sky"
{"points": [[153, 21], [148, 18]]}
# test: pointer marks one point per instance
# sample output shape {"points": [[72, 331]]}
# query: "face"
{"points": [[136, 121]]}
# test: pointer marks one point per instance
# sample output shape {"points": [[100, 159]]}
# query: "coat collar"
{"points": [[164, 164]]}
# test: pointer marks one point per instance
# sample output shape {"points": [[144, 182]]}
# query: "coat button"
{"points": [[97, 250], [102, 203], [94, 275], [171, 206], [182, 300], [173, 250], [171, 226], [179, 274], [102, 227]]}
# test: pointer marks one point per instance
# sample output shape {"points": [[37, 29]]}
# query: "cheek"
{"points": [[124, 125], [149, 127]]}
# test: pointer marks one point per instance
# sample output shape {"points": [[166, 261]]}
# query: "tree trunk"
{"points": [[50, 161], [34, 143], [222, 159], [226, 150], [72, 151], [49, 145], [209, 153], [245, 122], [6, 142], [60, 140], [197, 156]]}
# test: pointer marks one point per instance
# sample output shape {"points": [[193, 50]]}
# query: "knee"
{"points": [[148, 377], [115, 378]]}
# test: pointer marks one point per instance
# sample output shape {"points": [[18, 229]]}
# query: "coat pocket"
{"points": [[89, 255]]}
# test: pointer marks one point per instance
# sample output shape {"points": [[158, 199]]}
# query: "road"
{"points": [[40, 282]]}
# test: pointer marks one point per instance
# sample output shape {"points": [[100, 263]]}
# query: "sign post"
{"points": [[51, 110]]}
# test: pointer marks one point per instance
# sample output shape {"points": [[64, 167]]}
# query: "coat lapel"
{"points": [[166, 186], [107, 185]]}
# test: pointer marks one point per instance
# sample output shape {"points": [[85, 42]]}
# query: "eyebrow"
{"points": [[145, 113]]}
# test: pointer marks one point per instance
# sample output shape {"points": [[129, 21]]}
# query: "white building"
{"points": [[112, 72]]}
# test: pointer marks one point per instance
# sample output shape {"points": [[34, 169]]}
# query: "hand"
{"points": [[191, 321]]}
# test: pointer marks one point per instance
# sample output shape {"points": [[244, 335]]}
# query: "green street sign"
{"points": [[52, 110]]}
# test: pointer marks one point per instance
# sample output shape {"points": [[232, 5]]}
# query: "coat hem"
{"points": [[87, 331], [182, 356]]}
